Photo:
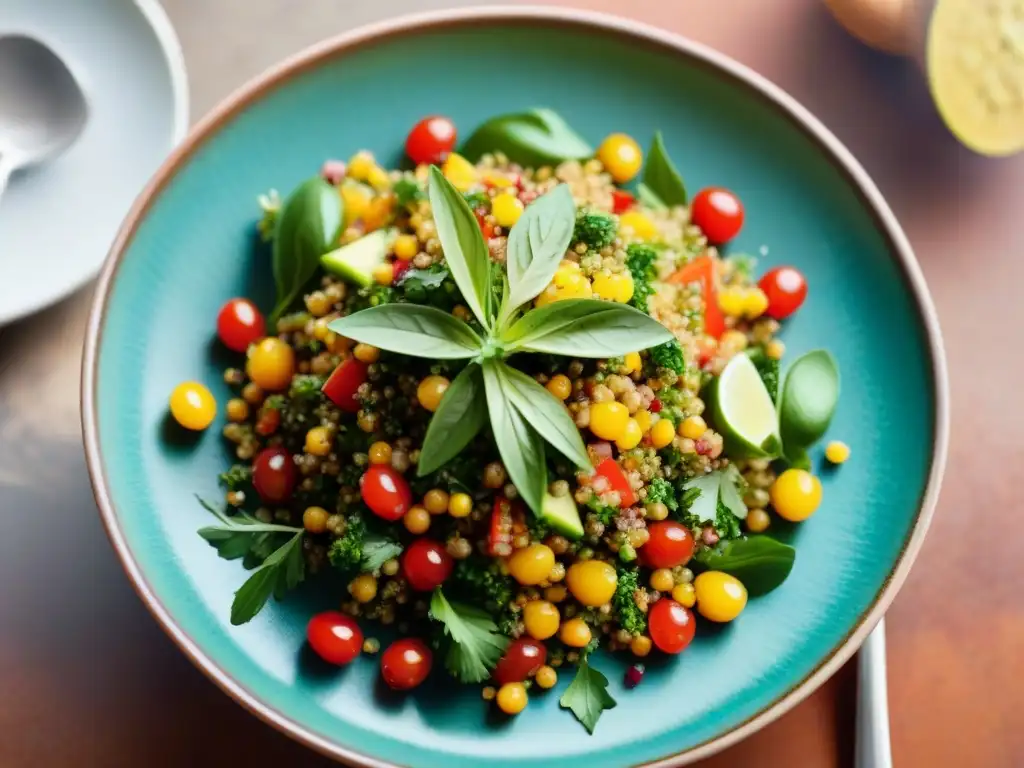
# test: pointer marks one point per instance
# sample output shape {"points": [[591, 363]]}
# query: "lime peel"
{"points": [[744, 412]]}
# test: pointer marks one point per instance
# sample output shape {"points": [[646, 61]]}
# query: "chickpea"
{"points": [[314, 519], [494, 475]]}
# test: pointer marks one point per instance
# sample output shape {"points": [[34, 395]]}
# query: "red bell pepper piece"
{"points": [[499, 540], [343, 384], [622, 200], [702, 270], [399, 267], [611, 471]]}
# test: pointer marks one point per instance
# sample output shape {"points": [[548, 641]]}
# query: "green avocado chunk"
{"points": [[356, 261], [560, 513]]}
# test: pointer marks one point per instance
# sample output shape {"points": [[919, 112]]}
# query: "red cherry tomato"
{"points": [[670, 544], [240, 324], [622, 200], [406, 663], [274, 475], [335, 637], [426, 564], [609, 470], [431, 140], [522, 659], [719, 214], [786, 290], [671, 626], [385, 492], [343, 384]]}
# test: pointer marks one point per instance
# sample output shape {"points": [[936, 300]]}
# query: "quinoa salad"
{"points": [[518, 399]]}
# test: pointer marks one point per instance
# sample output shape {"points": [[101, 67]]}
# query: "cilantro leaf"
{"points": [[377, 550], [476, 645], [587, 696], [705, 506], [718, 489]]}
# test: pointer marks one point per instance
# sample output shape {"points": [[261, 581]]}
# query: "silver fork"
{"points": [[873, 749]]}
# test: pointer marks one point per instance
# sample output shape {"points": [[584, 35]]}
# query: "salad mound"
{"points": [[520, 401]]}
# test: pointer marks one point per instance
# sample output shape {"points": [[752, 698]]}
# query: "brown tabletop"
{"points": [[87, 678]]}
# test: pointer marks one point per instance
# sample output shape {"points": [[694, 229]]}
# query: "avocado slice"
{"points": [[356, 261], [560, 513]]}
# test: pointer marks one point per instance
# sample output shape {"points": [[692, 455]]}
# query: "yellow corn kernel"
{"points": [[614, 287], [693, 427], [643, 418], [754, 303], [732, 301], [360, 165], [630, 437], [357, 201], [632, 362], [460, 172], [378, 178], [662, 433]]}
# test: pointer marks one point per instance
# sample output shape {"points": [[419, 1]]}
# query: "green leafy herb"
{"points": [[411, 329], [532, 138], [809, 396], [307, 228], [768, 370], [715, 486], [660, 489], [546, 415], [587, 696], [476, 644], [586, 328], [461, 414], [346, 551], [647, 196], [594, 229], [282, 567], [236, 478], [661, 177], [270, 204], [640, 259], [668, 356], [377, 550], [760, 562], [465, 251], [630, 617], [537, 244], [407, 192]]}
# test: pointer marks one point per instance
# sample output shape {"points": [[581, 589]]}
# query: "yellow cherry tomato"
{"points": [[436, 501], [531, 565], [720, 597], [363, 588], [380, 453], [318, 441], [661, 580], [460, 172], [685, 595], [507, 208], [416, 520], [609, 420], [631, 436], [406, 246], [271, 364], [621, 157], [575, 633], [460, 504], [592, 582], [795, 494], [693, 427], [662, 433], [431, 390], [639, 224], [192, 406], [640, 645], [631, 361], [541, 619], [758, 520], [837, 452], [755, 303], [560, 386], [366, 353], [732, 301], [512, 698], [617, 287], [546, 677]]}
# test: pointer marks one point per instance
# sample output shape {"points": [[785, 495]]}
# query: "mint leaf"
{"points": [[476, 645], [587, 696], [461, 414], [411, 329]]}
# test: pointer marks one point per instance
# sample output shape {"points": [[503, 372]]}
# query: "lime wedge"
{"points": [[743, 411]]}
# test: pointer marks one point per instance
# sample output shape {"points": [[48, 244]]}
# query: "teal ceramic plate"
{"points": [[187, 247]]}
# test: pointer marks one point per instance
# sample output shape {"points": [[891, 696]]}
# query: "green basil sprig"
{"points": [[532, 138], [307, 227], [522, 414], [760, 562], [662, 184], [810, 392]]}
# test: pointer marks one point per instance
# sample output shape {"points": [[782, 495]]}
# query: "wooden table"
{"points": [[87, 678]]}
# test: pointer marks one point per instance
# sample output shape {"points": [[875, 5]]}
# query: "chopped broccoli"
{"points": [[671, 457], [630, 617], [668, 356], [236, 478], [640, 262], [481, 581], [306, 387], [595, 230], [727, 525], [660, 489], [407, 192], [346, 552]]}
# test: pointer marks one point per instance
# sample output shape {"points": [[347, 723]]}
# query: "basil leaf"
{"points": [[661, 176], [532, 138], [705, 506], [646, 196], [585, 328], [307, 228], [730, 495], [520, 446], [463, 244], [761, 563], [587, 696], [411, 329], [547, 415], [460, 415], [537, 244], [809, 395]]}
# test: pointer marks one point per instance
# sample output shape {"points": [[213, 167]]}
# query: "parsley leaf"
{"points": [[714, 487], [377, 550], [283, 570], [587, 696], [476, 645]]}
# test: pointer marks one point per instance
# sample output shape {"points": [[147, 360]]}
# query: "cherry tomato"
{"points": [[406, 663], [670, 544], [430, 140], [786, 290], [343, 384], [621, 200], [274, 475], [426, 564], [240, 324], [617, 480], [671, 625], [335, 637], [522, 659], [385, 492], [719, 214]]}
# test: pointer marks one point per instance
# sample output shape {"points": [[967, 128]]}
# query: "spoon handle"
{"points": [[873, 746]]}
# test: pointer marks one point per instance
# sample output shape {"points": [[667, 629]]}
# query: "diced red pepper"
{"points": [[485, 228], [655, 406], [400, 267], [268, 421], [622, 200], [702, 270], [499, 542], [343, 384], [611, 472]]}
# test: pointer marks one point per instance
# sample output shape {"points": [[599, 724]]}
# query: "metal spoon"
{"points": [[42, 107], [873, 749]]}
